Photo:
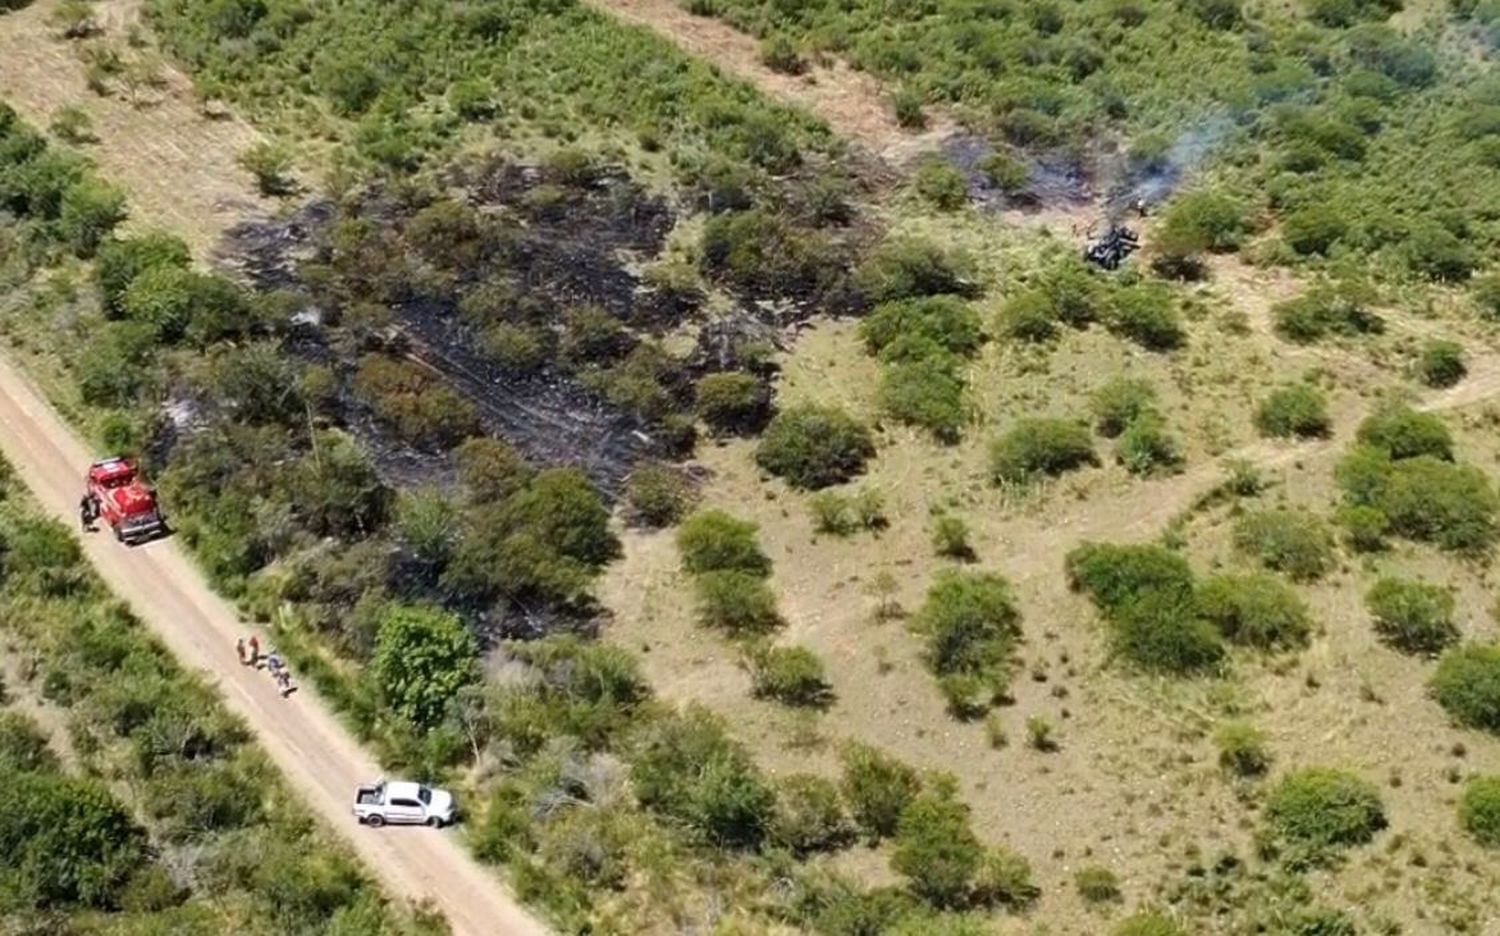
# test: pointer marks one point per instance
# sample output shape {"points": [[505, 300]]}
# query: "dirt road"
{"points": [[320, 760]]}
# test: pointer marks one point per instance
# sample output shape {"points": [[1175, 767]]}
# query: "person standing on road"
{"points": [[239, 650], [254, 650], [86, 513]]}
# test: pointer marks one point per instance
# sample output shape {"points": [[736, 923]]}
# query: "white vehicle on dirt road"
{"points": [[404, 803]]}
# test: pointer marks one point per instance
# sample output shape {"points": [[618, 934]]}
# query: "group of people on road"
{"points": [[249, 654]]}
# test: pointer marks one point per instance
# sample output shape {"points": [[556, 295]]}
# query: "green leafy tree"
{"points": [[423, 657], [90, 211], [64, 841]]}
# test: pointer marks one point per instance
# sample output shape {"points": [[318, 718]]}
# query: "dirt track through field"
{"points": [[177, 167], [321, 762], [852, 103]]}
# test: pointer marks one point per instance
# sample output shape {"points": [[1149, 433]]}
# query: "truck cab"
{"points": [[402, 802], [123, 500]]}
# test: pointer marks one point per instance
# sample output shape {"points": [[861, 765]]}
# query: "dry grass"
{"points": [[177, 166]]}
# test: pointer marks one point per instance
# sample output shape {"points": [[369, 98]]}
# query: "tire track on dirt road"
{"points": [[301, 734]]}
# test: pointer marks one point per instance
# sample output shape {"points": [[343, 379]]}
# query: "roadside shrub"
{"points": [[740, 603], [809, 817], [1147, 447], [1292, 542], [813, 446], [971, 624], [791, 676], [732, 401], [950, 538], [1242, 750], [1316, 812], [1097, 884], [1297, 410], [1479, 810], [936, 849], [1441, 363], [1467, 686], [1147, 314], [1118, 402], [877, 787], [941, 184], [1415, 617], [657, 495], [1038, 447], [1324, 311], [1118, 576], [1254, 610], [423, 656], [948, 322], [1401, 432], [1160, 632], [713, 541]]}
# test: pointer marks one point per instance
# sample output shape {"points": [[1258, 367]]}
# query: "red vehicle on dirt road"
{"points": [[124, 501]]}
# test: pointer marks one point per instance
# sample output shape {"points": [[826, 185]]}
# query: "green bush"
{"points": [[1401, 432], [1411, 616], [1439, 254], [877, 787], [907, 103], [814, 446], [1313, 230], [1441, 363], [22, 745], [121, 259], [1485, 291], [1038, 447], [90, 210], [1422, 498], [1288, 541], [1119, 402], [1147, 447], [779, 53], [765, 254], [910, 268], [971, 624], [1161, 633], [1316, 812], [1479, 810], [686, 767], [809, 816], [740, 603], [713, 541], [423, 656], [65, 841], [269, 163], [1254, 610], [1147, 314], [1150, 922], [790, 675], [946, 321], [732, 402], [1242, 750], [1202, 221], [1116, 577], [941, 184], [1467, 686], [657, 495], [419, 408], [1297, 410], [1324, 311], [1005, 172], [491, 470], [950, 538], [1028, 316], [936, 849], [1365, 528], [1097, 884], [843, 515], [928, 392]]}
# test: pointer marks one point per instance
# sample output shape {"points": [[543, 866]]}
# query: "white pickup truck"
{"points": [[404, 803]]}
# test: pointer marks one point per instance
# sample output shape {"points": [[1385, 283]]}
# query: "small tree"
{"points": [[1038, 447], [1467, 686], [1297, 410], [713, 541], [423, 657], [1415, 617], [936, 849], [877, 787], [814, 446]]}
